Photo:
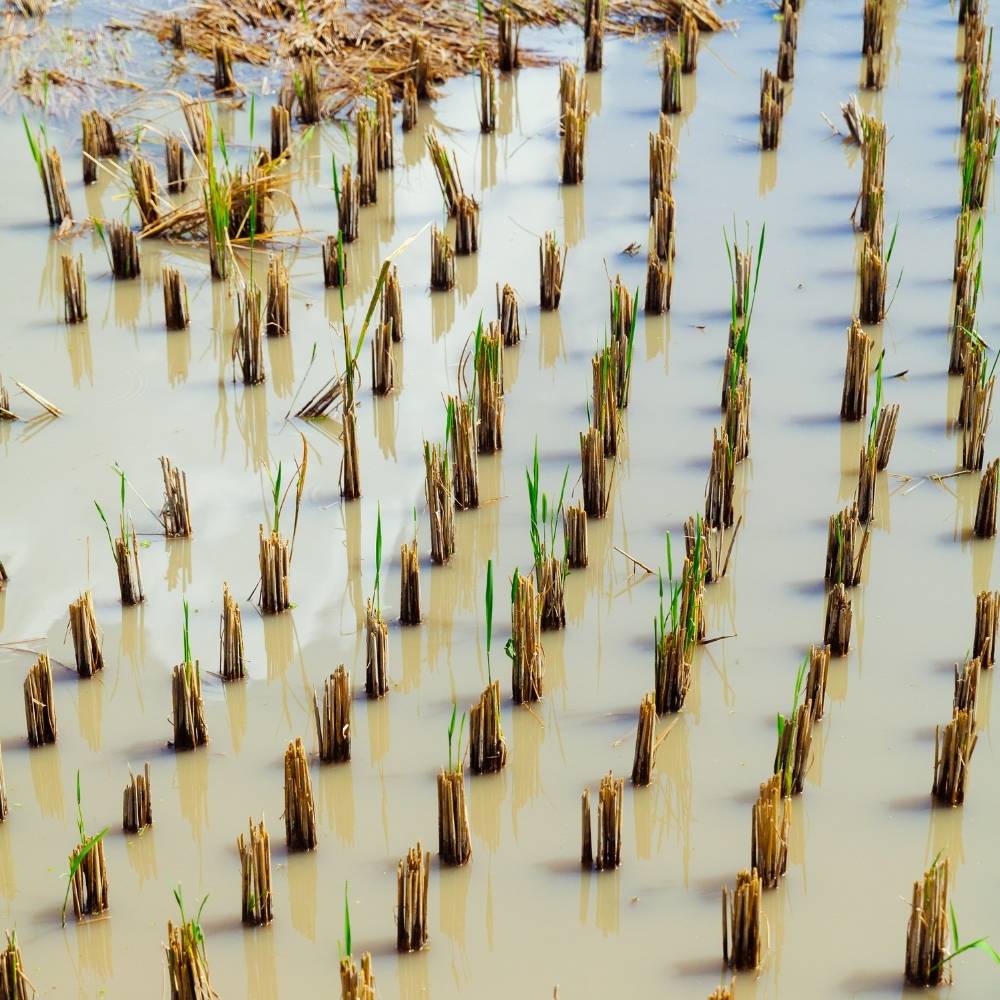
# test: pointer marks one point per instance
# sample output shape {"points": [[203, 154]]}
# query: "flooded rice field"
{"points": [[521, 916]]}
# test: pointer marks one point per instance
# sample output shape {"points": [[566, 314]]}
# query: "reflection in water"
{"points": [[595, 91], [385, 418], [250, 412], [944, 835], [673, 759], [409, 649], [773, 907], [453, 886], [178, 345], [551, 349], [440, 621], [982, 563], [643, 817], [353, 543], [126, 295], [768, 175], [8, 873], [527, 735], [261, 963], [851, 436], [46, 776], [574, 223], [984, 701], [302, 892], [279, 644], [555, 663], [141, 851], [609, 898], [413, 980], [506, 104], [378, 729], [336, 800], [486, 795], [797, 837], [466, 275], [281, 363], [442, 313], [192, 789], [235, 695], [81, 359], [93, 946], [178, 575], [488, 161], [132, 638], [657, 329], [90, 710]]}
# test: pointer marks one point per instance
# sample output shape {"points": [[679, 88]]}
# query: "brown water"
{"points": [[521, 917]]}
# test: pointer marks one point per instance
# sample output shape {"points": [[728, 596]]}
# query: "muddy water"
{"points": [[521, 918]]}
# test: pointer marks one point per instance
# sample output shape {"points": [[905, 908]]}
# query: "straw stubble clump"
{"points": [[927, 927], [645, 742], [611, 794], [440, 502], [357, 983], [411, 900], [454, 841], [86, 636], [953, 748], [526, 639], [255, 875], [14, 983], [333, 721], [74, 280], [741, 922], [89, 879], [551, 266], [175, 299], [274, 563], [487, 745], [409, 584], [190, 727], [772, 817], [376, 652], [300, 812], [984, 639], [187, 964], [137, 802], [837, 626], [985, 525], [39, 703], [232, 662]]}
